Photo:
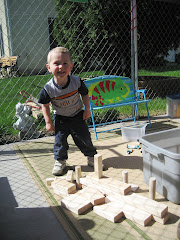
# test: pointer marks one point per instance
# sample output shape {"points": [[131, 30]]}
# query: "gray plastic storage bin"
{"points": [[161, 159]]}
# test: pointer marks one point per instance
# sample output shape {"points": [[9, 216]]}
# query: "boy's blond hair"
{"points": [[58, 50]]}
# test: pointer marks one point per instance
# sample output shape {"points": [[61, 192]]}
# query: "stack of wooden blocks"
{"points": [[109, 198]]}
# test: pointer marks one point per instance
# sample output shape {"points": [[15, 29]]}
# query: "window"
{"points": [[52, 41]]}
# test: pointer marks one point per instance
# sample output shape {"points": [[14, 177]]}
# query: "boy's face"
{"points": [[60, 65]]}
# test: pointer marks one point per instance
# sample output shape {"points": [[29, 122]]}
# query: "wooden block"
{"points": [[135, 214], [134, 187], [162, 220], [109, 211], [125, 176], [49, 181], [98, 165], [78, 176], [106, 184], [70, 176], [141, 202], [149, 205], [61, 186], [178, 230], [83, 181], [76, 204], [152, 188], [93, 195]]}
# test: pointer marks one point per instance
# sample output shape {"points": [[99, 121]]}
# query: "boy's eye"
{"points": [[57, 64]]}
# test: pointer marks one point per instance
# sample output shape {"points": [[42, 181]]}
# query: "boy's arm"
{"points": [[86, 102], [47, 117]]}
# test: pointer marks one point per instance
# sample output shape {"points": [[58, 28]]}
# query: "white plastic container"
{"points": [[173, 106], [133, 132], [161, 159]]}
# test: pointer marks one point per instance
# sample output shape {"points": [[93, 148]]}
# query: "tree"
{"points": [[99, 37], [159, 24], [98, 33]]}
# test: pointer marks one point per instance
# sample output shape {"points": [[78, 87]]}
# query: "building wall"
{"points": [[29, 33]]}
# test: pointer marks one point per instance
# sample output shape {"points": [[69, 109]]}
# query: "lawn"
{"points": [[167, 71]]}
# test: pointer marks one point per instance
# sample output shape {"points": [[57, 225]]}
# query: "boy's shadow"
{"points": [[84, 168]]}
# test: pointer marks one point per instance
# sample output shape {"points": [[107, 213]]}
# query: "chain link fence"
{"points": [[99, 35]]}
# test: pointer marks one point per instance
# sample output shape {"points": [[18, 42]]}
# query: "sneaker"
{"points": [[58, 168], [90, 161]]}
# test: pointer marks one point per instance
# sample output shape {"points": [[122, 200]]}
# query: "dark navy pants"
{"points": [[77, 128]]}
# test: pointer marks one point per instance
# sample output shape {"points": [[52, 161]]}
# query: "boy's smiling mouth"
{"points": [[60, 73]]}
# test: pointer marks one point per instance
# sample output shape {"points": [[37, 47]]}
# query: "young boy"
{"points": [[63, 91]]}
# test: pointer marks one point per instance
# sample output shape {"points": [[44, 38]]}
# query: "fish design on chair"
{"points": [[109, 92]]}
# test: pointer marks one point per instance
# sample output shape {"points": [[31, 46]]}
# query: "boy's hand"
{"points": [[86, 114], [49, 127]]}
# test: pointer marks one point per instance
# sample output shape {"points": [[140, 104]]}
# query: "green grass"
{"points": [[167, 71]]}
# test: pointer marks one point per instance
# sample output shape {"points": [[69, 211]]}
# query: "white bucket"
{"points": [[133, 132]]}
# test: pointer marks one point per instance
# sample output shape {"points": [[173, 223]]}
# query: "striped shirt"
{"points": [[66, 101]]}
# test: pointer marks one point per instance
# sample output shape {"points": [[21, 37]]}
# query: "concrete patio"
{"points": [[31, 210]]}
